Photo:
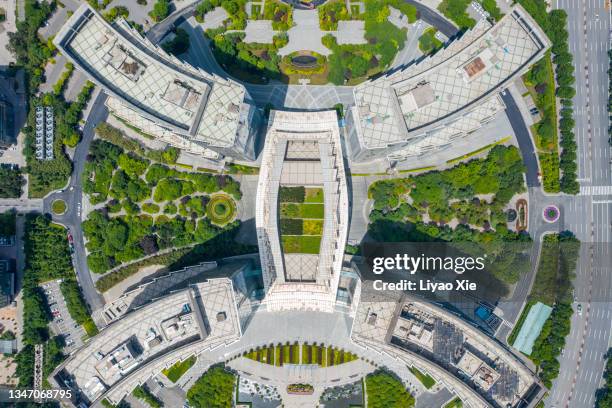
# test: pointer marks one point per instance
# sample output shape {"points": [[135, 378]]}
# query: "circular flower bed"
{"points": [[221, 209], [551, 213], [58, 207]]}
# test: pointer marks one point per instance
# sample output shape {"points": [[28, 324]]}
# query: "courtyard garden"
{"points": [[301, 219], [142, 206], [296, 353], [347, 63]]}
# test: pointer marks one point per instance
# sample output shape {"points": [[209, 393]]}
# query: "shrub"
{"points": [[292, 194]]}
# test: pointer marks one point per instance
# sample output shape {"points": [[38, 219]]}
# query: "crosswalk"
{"points": [[595, 190]]}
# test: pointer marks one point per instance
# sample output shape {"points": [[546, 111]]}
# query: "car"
{"points": [[70, 342], [98, 355], [579, 309], [59, 320]]}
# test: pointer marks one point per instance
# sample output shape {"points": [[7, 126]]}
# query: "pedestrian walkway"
{"points": [[595, 190]]}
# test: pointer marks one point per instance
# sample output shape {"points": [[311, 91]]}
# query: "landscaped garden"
{"points": [[463, 203], [348, 63], [385, 390], [214, 389], [143, 206], [301, 219], [280, 354]]}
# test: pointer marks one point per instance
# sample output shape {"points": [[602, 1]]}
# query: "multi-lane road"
{"points": [[589, 215]]}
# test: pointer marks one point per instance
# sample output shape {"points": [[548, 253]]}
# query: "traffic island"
{"points": [[59, 207]]}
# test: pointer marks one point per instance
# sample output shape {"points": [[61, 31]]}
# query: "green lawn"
{"points": [[303, 244], [58, 207], [425, 379], [314, 195], [295, 210], [455, 403], [312, 227], [178, 369]]}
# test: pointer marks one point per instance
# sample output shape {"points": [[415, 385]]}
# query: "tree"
{"points": [[178, 45], [11, 182], [385, 390], [214, 389], [161, 10]]}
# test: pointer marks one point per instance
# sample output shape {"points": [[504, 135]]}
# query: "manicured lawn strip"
{"points": [[314, 195], [312, 227], [179, 368], [455, 403], [304, 244], [295, 210], [425, 379], [477, 151], [277, 356], [295, 354]]}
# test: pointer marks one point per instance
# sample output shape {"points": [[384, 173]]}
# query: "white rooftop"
{"points": [[403, 104], [176, 95]]}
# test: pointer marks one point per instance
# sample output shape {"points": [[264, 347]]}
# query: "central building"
{"points": [[302, 210]]}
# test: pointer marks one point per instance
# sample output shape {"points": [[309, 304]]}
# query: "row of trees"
{"points": [[47, 257], [553, 284], [555, 26]]}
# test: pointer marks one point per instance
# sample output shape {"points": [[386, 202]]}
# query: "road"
{"points": [[434, 18], [589, 216], [524, 139], [72, 195], [158, 31]]}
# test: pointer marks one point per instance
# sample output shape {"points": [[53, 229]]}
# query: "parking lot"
{"points": [[62, 324]]}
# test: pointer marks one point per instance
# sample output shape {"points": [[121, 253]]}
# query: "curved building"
{"points": [[179, 99], [444, 96]]}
